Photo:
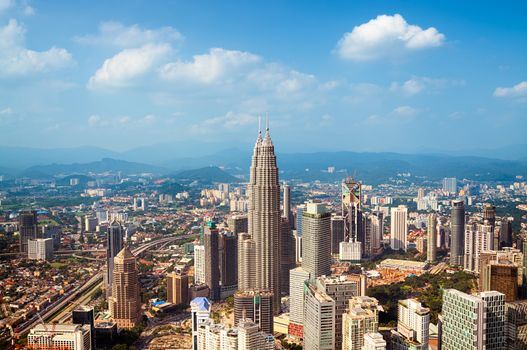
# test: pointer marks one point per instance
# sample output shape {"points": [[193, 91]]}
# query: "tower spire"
{"points": [[267, 138]]}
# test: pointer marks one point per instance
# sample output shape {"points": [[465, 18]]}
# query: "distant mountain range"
{"points": [[206, 174], [369, 166], [101, 166]]}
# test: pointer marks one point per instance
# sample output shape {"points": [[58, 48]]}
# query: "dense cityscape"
{"points": [[146, 262], [261, 175]]}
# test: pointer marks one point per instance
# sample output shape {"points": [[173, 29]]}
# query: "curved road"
{"points": [[78, 292]]}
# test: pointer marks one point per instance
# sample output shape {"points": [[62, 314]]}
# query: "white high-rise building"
{"points": [[319, 319], [412, 326], [341, 289], [297, 278], [361, 318], [264, 216], [478, 238], [199, 264], [246, 261], [450, 185], [60, 336], [249, 337], [200, 313], [374, 341], [40, 249], [431, 239], [399, 227]]}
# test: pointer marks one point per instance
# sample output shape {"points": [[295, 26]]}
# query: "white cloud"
{"points": [[231, 120], [330, 85], [96, 120], [518, 90], [118, 35], [6, 111], [284, 82], [405, 111], [209, 67], [417, 85], [410, 87], [121, 69], [384, 36], [5, 5], [16, 59]]}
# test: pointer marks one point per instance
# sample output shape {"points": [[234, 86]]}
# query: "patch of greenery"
{"points": [[427, 288]]}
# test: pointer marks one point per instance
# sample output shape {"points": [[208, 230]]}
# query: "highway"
{"points": [[59, 307]]}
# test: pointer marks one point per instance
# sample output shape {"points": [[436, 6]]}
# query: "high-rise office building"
{"points": [[228, 256], [398, 227], [412, 326], [473, 321], [287, 255], [114, 244], [505, 233], [237, 223], [341, 289], [63, 336], [27, 226], [431, 238], [246, 262], [40, 249], [249, 337], [287, 213], [516, 323], [265, 217], [501, 277], [83, 315], [457, 232], [298, 218], [360, 319], [125, 302], [297, 277], [478, 238], [177, 289], [255, 305], [450, 185], [489, 214], [337, 232], [199, 264], [90, 223], [319, 319], [374, 341], [495, 332], [351, 210], [212, 260], [200, 313], [316, 238]]}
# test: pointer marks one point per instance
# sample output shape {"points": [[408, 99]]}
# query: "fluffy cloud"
{"points": [[518, 90], [118, 35], [121, 69], [17, 60], [384, 36], [208, 68]]}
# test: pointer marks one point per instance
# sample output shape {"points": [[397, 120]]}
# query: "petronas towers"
{"points": [[265, 217]]}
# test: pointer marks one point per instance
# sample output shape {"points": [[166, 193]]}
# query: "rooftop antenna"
{"points": [[259, 123], [266, 121]]}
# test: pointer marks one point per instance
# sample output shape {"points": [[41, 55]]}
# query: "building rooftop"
{"points": [[201, 303]]}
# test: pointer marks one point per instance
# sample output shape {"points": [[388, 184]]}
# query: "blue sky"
{"points": [[355, 75]]}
